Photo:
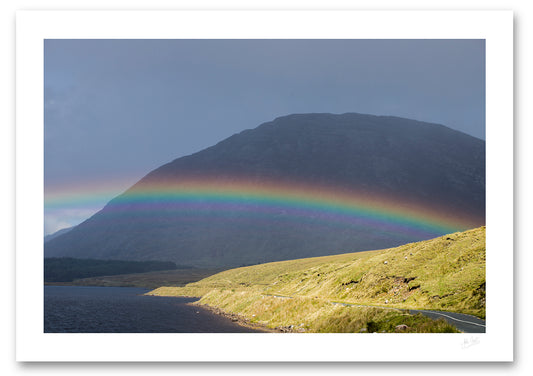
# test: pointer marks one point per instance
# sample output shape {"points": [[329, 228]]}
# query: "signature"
{"points": [[469, 342]]}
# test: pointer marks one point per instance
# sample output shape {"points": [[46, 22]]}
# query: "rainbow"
{"points": [[282, 200]]}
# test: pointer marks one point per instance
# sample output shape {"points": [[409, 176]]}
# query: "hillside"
{"points": [[299, 186], [56, 234], [67, 269], [446, 273]]}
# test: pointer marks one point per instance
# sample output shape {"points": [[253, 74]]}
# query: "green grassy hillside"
{"points": [[445, 273]]}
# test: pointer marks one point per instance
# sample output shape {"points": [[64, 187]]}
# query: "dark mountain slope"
{"points": [[410, 161], [56, 234]]}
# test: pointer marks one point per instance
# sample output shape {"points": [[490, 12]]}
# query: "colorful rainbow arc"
{"points": [[333, 204]]}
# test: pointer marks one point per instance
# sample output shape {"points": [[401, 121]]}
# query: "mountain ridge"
{"points": [[411, 161]]}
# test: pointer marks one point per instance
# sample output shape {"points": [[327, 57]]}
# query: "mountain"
{"points": [[56, 234], [302, 185]]}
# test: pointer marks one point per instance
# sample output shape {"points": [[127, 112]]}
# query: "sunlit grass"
{"points": [[446, 273]]}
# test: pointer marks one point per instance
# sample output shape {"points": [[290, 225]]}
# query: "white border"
{"points": [[34, 26]]}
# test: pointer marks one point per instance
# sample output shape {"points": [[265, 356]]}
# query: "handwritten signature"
{"points": [[469, 342]]}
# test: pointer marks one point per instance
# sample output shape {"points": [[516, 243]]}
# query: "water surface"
{"points": [[80, 309]]}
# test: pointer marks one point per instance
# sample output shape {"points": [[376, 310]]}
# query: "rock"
{"points": [[402, 327], [363, 330]]}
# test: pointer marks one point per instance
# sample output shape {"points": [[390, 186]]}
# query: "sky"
{"points": [[116, 109]]}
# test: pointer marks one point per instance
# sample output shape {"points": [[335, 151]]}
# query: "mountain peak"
{"points": [[301, 185]]}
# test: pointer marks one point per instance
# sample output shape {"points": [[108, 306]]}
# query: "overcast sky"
{"points": [[116, 109]]}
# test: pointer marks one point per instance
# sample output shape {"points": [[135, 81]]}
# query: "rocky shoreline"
{"points": [[243, 321]]}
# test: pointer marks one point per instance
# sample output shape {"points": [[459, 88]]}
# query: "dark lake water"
{"points": [[76, 309]]}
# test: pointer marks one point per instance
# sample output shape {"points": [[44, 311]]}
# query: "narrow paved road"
{"points": [[463, 322]]}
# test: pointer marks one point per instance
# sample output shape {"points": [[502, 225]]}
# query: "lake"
{"points": [[81, 309]]}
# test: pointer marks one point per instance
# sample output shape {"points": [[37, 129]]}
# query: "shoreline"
{"points": [[241, 320]]}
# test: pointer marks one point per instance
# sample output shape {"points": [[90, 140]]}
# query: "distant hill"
{"points": [[57, 233], [299, 186], [66, 269]]}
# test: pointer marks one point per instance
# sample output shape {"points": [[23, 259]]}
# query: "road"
{"points": [[463, 322]]}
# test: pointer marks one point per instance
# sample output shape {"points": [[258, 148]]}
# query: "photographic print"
{"points": [[288, 187]]}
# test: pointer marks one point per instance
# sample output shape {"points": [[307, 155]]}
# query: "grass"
{"points": [[445, 273], [304, 314]]}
